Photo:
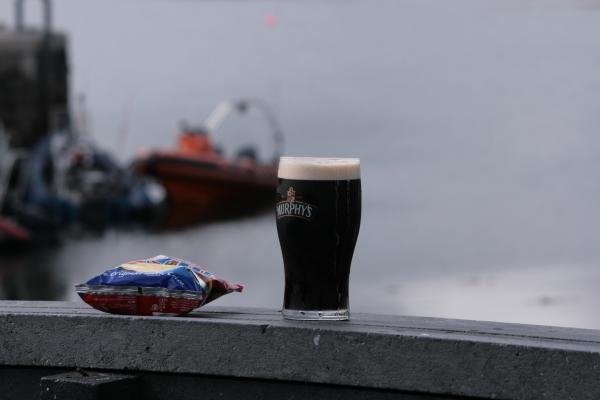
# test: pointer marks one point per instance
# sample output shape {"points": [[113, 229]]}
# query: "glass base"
{"points": [[316, 315]]}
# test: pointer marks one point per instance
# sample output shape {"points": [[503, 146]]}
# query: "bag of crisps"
{"points": [[159, 285]]}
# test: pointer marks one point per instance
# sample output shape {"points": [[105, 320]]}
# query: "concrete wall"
{"points": [[254, 351]]}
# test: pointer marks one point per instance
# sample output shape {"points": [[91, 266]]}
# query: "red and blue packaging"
{"points": [[159, 285]]}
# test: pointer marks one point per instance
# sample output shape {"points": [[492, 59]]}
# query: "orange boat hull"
{"points": [[201, 189]]}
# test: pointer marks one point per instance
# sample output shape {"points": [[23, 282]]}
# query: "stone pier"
{"points": [[63, 350]]}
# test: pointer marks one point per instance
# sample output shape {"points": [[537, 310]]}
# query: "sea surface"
{"points": [[477, 124]]}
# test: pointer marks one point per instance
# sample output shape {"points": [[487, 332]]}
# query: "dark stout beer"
{"points": [[318, 219]]}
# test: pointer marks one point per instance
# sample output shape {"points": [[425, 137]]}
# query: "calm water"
{"points": [[476, 121]]}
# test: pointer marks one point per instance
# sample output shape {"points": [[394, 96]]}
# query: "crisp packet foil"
{"points": [[160, 285]]}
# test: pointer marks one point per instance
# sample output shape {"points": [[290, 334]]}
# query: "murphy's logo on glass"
{"points": [[291, 207]]}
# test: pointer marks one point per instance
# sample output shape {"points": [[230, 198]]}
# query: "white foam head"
{"points": [[319, 169]]}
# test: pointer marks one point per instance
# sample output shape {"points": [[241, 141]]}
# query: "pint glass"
{"points": [[318, 219]]}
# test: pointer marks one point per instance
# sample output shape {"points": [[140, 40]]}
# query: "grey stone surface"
{"points": [[89, 385], [426, 355]]}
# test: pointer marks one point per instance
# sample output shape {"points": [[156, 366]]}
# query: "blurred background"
{"points": [[476, 123]]}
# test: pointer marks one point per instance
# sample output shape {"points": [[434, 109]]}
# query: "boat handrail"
{"points": [[225, 108]]}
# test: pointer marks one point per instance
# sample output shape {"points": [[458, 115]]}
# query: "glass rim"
{"points": [[306, 158], [319, 168]]}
